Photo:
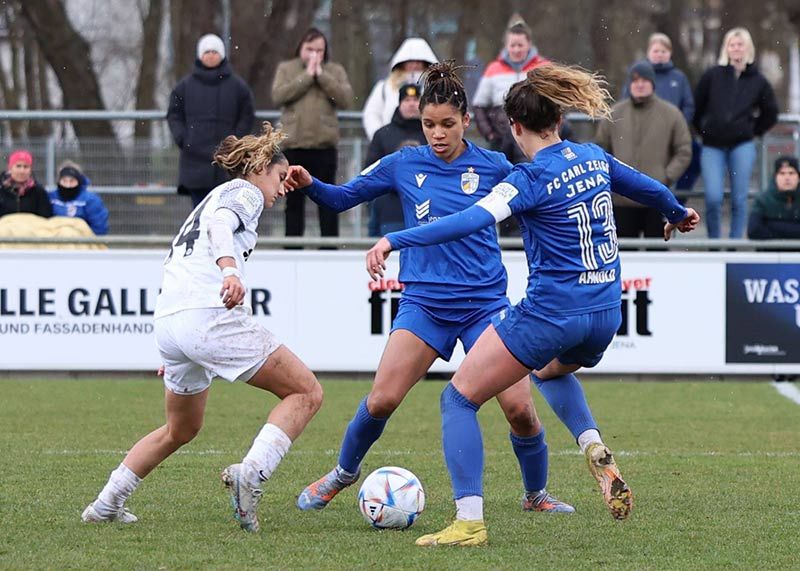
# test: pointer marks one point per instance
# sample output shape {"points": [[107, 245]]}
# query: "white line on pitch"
{"points": [[789, 390]]}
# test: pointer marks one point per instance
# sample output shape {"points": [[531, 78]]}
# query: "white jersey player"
{"points": [[205, 330]]}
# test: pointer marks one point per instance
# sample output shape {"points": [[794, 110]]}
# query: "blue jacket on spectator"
{"points": [[79, 202], [672, 85]]}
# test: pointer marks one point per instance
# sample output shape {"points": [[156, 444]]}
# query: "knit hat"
{"points": [[21, 156], [643, 69], [409, 90], [787, 161], [70, 171], [210, 43]]}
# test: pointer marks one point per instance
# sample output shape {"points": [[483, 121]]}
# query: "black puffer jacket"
{"points": [[205, 107], [399, 133], [731, 110], [32, 198]]}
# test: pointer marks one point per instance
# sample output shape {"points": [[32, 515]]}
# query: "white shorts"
{"points": [[198, 345]]}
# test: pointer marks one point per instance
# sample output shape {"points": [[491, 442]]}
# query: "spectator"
{"points": [[776, 211], [408, 64], [519, 56], [734, 103], [673, 86], [650, 135], [19, 191], [73, 199], [405, 130], [310, 89], [205, 107]]}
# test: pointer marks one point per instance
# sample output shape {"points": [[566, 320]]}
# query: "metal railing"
{"points": [[137, 178]]}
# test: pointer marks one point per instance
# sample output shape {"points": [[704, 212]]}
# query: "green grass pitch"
{"points": [[714, 467]]}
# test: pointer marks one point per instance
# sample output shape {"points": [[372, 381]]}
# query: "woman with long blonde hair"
{"points": [[205, 329], [571, 312], [734, 104]]}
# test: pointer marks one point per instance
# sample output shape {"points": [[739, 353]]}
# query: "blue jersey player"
{"points": [[562, 200], [451, 290]]}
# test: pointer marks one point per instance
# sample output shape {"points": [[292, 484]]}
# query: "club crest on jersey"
{"points": [[568, 154], [469, 181]]}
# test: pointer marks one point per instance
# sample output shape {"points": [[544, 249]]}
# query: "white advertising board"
{"points": [[92, 310]]}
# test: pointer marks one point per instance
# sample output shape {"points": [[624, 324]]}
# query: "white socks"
{"points": [[469, 508], [269, 448], [588, 437], [121, 484]]}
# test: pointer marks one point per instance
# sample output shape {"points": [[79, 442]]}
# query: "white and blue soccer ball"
{"points": [[391, 498]]}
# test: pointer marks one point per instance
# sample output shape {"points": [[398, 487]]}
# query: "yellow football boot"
{"points": [[462, 533]]}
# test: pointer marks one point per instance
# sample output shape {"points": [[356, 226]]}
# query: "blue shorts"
{"points": [[441, 328], [535, 339]]}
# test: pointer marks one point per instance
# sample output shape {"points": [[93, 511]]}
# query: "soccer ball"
{"points": [[391, 498]]}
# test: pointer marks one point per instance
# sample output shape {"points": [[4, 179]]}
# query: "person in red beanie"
{"points": [[19, 191]]}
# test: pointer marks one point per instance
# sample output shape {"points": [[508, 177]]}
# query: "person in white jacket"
{"points": [[408, 64]]}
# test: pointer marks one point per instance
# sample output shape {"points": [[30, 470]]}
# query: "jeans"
{"points": [[738, 161]]}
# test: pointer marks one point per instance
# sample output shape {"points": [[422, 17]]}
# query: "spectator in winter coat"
{"points": [[310, 89], [734, 103], [405, 130], [73, 199], [650, 135], [205, 107], [408, 64], [519, 56], [672, 85], [19, 191], [776, 211]]}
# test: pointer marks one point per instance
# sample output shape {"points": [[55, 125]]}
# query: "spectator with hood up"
{"points": [[408, 64], [205, 107]]}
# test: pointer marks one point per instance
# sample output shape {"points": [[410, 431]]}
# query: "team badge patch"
{"points": [[469, 181]]}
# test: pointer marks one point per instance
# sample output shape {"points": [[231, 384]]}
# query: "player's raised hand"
{"points": [[686, 225], [376, 258], [232, 292], [297, 177]]}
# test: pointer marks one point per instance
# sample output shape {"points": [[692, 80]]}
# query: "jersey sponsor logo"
{"points": [[420, 179], [422, 210], [569, 154], [370, 168], [470, 181]]}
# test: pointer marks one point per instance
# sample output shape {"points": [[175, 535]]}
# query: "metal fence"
{"points": [[137, 178]]}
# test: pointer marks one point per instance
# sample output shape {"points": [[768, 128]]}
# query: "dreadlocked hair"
{"points": [[441, 85], [250, 154], [539, 101]]}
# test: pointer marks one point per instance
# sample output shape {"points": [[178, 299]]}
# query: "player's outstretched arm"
{"points": [[376, 258], [297, 177], [688, 224]]}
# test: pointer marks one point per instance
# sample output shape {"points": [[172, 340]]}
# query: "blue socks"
{"points": [[531, 452], [361, 434], [462, 443], [565, 396]]}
